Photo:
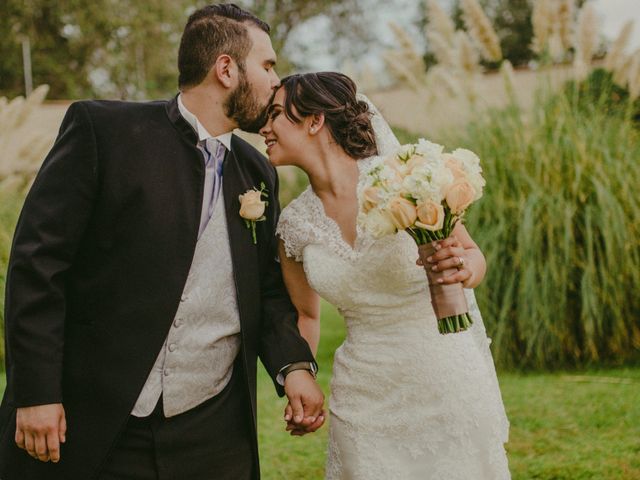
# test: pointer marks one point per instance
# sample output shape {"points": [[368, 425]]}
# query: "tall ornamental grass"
{"points": [[9, 209], [560, 227]]}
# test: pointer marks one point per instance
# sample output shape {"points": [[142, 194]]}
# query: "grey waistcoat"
{"points": [[196, 360]]}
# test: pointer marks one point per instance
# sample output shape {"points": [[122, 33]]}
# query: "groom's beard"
{"points": [[243, 107]]}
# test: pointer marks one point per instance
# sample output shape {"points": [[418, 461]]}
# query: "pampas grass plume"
{"points": [[565, 23], [440, 22], [634, 76], [481, 30], [444, 52], [542, 21], [468, 58], [21, 148], [441, 77], [615, 55], [585, 40], [508, 78], [412, 58]]}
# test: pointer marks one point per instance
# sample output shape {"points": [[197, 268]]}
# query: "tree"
{"points": [[128, 48], [112, 48], [348, 35]]}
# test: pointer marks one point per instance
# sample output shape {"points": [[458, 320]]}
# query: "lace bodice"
{"points": [[397, 383]]}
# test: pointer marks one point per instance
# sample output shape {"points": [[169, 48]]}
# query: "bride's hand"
{"points": [[307, 425], [450, 254]]}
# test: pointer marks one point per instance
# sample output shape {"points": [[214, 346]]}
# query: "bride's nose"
{"points": [[266, 128]]}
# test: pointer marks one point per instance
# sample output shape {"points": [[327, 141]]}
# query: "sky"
{"points": [[308, 41], [616, 13]]}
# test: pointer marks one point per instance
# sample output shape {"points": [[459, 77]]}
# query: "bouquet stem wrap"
{"points": [[448, 301]]}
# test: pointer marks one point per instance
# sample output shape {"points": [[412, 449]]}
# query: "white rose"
{"points": [[428, 181], [429, 149], [378, 223], [405, 151]]}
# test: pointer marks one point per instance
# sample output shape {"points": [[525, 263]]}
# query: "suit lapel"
{"points": [[244, 253]]}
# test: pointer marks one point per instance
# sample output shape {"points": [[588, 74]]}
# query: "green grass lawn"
{"points": [[564, 426]]}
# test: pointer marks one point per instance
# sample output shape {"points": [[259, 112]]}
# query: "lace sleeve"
{"points": [[292, 231], [385, 138]]}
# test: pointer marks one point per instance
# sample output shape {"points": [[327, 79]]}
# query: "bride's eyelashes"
{"points": [[274, 115]]}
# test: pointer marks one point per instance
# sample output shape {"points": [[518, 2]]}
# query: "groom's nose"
{"points": [[275, 80]]}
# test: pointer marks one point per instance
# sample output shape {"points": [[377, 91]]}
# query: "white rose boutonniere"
{"points": [[252, 208]]}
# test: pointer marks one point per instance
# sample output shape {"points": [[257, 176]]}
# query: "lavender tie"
{"points": [[213, 178]]}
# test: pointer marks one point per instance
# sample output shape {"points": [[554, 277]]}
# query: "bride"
{"points": [[406, 402]]}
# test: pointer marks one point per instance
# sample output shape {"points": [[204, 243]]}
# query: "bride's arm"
{"points": [[304, 298]]}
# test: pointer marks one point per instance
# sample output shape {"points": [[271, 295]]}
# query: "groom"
{"points": [[137, 300]]}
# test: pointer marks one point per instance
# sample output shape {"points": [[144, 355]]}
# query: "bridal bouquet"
{"points": [[424, 191]]}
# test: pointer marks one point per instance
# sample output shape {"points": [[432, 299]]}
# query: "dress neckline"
{"points": [[335, 227], [362, 239]]}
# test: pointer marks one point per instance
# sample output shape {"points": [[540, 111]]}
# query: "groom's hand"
{"points": [[305, 426], [305, 400], [40, 430]]}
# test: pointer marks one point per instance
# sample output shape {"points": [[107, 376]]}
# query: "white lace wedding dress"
{"points": [[407, 403]]}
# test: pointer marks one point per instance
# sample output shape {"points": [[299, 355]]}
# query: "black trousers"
{"points": [[213, 441]]}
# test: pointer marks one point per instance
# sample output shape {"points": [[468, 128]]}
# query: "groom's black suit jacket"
{"points": [[99, 261]]}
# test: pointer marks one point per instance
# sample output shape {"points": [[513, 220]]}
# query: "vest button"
{"points": [[183, 298], [177, 323], [166, 372], [172, 347]]}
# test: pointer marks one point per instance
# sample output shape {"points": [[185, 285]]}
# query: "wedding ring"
{"points": [[460, 263]]}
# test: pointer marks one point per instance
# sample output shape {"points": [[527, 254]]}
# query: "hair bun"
{"points": [[357, 110], [359, 130]]}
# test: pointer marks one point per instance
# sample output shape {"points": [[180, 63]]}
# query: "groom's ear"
{"points": [[316, 121], [225, 70]]}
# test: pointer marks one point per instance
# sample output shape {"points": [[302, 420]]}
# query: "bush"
{"points": [[559, 225], [601, 90]]}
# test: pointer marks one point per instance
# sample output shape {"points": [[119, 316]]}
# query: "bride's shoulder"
{"points": [[296, 224], [299, 207]]}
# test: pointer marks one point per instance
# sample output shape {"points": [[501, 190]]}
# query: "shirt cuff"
{"points": [[280, 376]]}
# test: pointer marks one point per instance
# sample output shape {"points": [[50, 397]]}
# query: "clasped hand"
{"points": [[304, 412], [450, 253]]}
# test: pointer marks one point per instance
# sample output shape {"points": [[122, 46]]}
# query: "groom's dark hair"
{"points": [[210, 32]]}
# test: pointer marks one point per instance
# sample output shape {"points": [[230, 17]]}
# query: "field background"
{"points": [[564, 425]]}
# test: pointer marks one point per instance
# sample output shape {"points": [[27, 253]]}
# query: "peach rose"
{"points": [[460, 195], [403, 212], [455, 165], [251, 205], [371, 196], [415, 161], [397, 165], [430, 215]]}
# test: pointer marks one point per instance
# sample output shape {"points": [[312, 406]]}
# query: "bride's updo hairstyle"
{"points": [[334, 95]]}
